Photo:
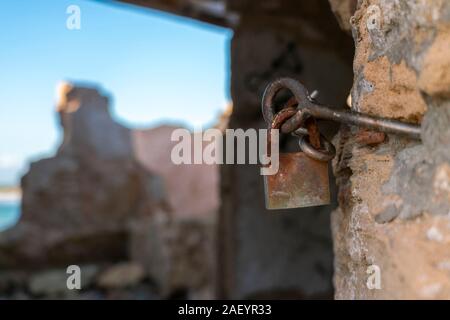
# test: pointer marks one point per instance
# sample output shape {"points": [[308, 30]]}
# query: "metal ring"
{"points": [[325, 154], [297, 89], [281, 117]]}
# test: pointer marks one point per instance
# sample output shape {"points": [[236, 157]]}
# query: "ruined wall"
{"points": [[111, 201], [79, 202], [394, 197]]}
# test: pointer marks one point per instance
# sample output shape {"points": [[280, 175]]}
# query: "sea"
{"points": [[9, 211]]}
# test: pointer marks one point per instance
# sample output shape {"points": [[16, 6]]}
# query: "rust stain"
{"points": [[369, 137]]}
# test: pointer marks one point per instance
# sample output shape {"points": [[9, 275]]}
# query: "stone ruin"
{"points": [[111, 201]]}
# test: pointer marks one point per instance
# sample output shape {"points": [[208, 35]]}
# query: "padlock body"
{"points": [[300, 182]]}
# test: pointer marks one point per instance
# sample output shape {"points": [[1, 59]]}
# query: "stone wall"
{"points": [[394, 209], [112, 202]]}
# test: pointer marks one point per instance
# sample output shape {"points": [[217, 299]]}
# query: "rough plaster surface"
{"points": [[395, 197]]}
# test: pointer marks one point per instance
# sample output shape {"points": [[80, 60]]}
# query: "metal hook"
{"points": [[318, 111]]}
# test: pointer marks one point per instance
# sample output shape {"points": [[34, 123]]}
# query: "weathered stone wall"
{"points": [[111, 201], [394, 197], [76, 205]]}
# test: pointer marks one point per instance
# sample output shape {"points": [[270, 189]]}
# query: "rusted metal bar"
{"points": [[307, 106], [351, 117]]}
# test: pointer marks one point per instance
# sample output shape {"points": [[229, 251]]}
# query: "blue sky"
{"points": [[157, 68]]}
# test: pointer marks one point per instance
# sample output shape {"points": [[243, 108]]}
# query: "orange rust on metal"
{"points": [[282, 116], [278, 120], [313, 132], [300, 182], [291, 103], [370, 137]]}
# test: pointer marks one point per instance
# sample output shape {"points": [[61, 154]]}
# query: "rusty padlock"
{"points": [[301, 180]]}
